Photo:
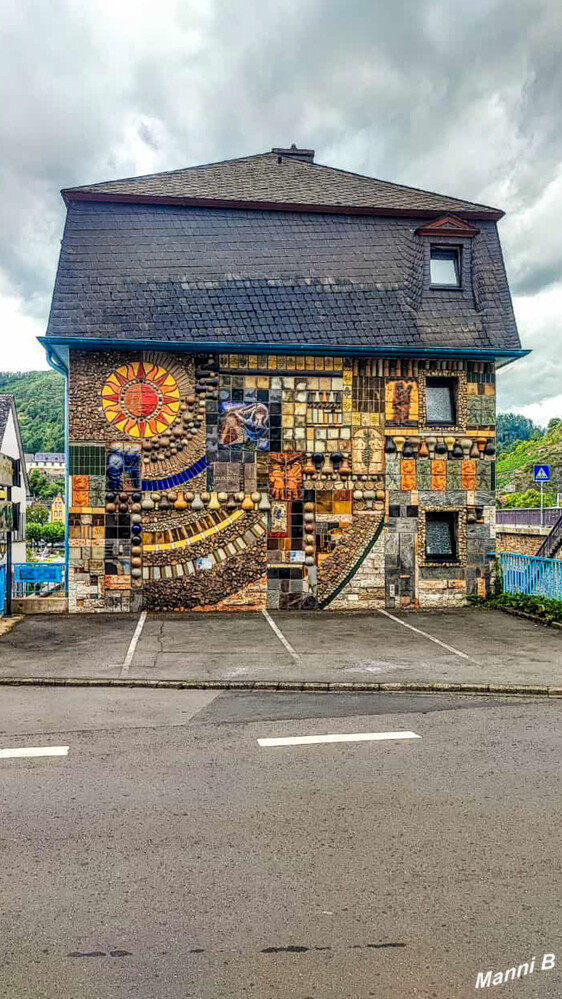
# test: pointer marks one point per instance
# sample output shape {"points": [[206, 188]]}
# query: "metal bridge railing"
{"points": [[528, 516], [539, 577], [38, 579]]}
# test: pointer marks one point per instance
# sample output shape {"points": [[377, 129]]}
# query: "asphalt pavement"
{"points": [[169, 855], [464, 645]]}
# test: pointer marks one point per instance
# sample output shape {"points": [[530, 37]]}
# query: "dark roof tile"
{"points": [[193, 275], [270, 179]]}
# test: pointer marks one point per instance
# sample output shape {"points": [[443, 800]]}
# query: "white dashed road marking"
{"points": [[133, 644], [25, 751], [281, 637], [309, 740], [425, 634]]}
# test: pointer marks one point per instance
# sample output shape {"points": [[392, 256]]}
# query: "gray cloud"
{"points": [[461, 98]]}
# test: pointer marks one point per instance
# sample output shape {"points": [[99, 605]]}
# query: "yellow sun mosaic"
{"points": [[141, 399]]}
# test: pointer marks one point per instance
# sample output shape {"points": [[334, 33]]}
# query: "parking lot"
{"points": [[468, 645]]}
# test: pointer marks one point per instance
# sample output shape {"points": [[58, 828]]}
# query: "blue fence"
{"points": [[37, 578], [2, 589], [539, 577]]}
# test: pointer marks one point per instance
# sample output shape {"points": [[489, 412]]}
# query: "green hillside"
{"points": [[515, 466], [40, 403]]}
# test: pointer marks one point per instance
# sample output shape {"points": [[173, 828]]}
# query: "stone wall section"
{"points": [[365, 591], [520, 541]]}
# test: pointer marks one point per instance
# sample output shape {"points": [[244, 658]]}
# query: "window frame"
{"points": [[433, 381], [452, 516], [448, 248]]}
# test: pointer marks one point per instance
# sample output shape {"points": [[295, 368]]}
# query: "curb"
{"points": [[295, 686], [8, 623], [529, 617]]}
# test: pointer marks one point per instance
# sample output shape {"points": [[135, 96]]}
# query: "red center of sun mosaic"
{"points": [[141, 399]]}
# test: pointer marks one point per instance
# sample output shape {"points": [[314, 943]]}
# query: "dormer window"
{"points": [[445, 271]]}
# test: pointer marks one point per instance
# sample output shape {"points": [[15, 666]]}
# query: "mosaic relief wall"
{"points": [[242, 482]]}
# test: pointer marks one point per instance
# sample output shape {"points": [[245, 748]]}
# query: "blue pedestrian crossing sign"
{"points": [[541, 473]]}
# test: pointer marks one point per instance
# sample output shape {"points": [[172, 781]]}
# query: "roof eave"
{"points": [[76, 194], [502, 355]]}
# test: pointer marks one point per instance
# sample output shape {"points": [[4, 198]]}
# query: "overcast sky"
{"points": [[461, 98]]}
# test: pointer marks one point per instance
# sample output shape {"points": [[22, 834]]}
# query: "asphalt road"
{"points": [[169, 855]]}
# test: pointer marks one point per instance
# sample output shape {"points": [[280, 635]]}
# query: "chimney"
{"points": [[296, 154]]}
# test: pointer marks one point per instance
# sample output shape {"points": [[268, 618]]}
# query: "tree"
{"points": [[38, 513], [530, 498], [53, 532], [44, 488], [39, 399], [34, 532], [512, 427]]}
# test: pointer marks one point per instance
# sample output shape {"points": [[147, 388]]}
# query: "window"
{"points": [[441, 536], [440, 401], [445, 269]]}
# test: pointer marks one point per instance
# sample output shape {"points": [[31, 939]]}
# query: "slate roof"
{"points": [[270, 179], [196, 276], [45, 456]]}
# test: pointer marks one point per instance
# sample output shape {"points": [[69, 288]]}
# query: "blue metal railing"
{"points": [[539, 577], [2, 589], [37, 579]]}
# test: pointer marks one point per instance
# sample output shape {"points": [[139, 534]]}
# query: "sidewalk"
{"points": [[468, 648]]}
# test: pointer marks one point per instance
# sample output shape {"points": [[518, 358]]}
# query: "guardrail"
{"points": [[37, 579], [538, 577], [528, 516]]}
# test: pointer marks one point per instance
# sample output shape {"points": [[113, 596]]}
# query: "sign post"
{"points": [[541, 473]]}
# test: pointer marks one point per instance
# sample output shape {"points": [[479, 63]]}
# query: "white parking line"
{"points": [[133, 644], [450, 648], [281, 637], [309, 740], [6, 754]]}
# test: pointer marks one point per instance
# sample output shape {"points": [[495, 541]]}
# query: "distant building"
{"points": [[11, 445], [51, 463], [56, 514]]}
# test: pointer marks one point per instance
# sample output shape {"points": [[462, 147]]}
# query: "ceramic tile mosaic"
{"points": [[235, 481]]}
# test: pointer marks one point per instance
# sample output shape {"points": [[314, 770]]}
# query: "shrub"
{"points": [[541, 607]]}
